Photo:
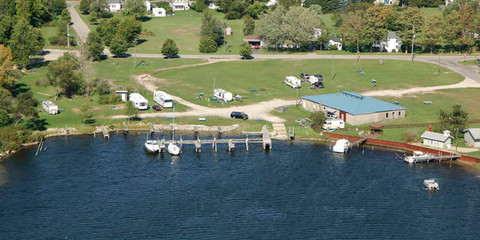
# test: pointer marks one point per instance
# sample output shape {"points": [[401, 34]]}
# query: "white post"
{"points": [[68, 35]]}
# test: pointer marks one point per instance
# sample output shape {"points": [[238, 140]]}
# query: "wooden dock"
{"points": [[106, 134], [427, 159], [357, 143], [265, 140]]}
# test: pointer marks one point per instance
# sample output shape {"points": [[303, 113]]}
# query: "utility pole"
{"points": [[135, 54], [333, 65], [456, 144], [68, 34]]}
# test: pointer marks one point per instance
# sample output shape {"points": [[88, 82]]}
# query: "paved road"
{"points": [[79, 25]]}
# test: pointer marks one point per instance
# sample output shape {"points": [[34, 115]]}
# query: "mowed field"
{"points": [[245, 77]]}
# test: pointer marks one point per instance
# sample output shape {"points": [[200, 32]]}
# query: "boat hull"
{"points": [[152, 146], [173, 149]]}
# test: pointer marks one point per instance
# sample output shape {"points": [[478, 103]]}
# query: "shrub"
{"points": [[409, 136]]}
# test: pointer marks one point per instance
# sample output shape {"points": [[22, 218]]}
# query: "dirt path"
{"points": [[467, 83]]}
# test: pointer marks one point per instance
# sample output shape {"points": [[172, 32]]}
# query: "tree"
{"points": [[207, 45], [432, 32], [212, 27], [256, 9], [249, 25], [84, 7], [169, 48], [94, 46], [353, 29], [130, 29], [245, 50], [65, 74], [316, 8], [289, 3], [25, 107], [131, 111], [118, 46], [135, 8], [374, 26], [41, 13], [457, 4], [269, 26], [6, 27], [318, 119], [451, 29], [467, 18], [200, 5], [98, 9], [453, 120], [107, 28], [86, 112], [25, 41], [23, 10], [7, 76], [411, 21]]}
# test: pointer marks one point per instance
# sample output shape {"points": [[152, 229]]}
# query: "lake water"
{"points": [[85, 188]]}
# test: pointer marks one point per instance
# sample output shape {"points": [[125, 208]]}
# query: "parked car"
{"points": [[256, 46], [239, 115], [304, 75], [318, 85], [319, 76], [157, 108]]}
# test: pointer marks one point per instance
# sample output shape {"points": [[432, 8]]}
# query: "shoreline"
{"points": [[464, 161]]}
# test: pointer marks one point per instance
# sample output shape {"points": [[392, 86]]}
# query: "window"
{"points": [[393, 114], [399, 113], [386, 115]]}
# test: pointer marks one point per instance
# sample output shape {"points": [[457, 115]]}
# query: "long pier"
{"points": [[265, 140]]}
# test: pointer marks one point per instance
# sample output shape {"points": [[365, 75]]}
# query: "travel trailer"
{"points": [[222, 95], [138, 101], [162, 98], [333, 124], [293, 82], [50, 107]]}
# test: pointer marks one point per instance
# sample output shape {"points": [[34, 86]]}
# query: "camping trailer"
{"points": [[293, 82], [222, 95], [333, 124], [50, 107], [138, 101], [162, 98]]}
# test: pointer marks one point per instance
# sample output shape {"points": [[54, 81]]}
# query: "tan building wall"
{"points": [[355, 119], [438, 144]]}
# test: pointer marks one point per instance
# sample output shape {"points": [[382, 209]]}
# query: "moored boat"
{"points": [[341, 145], [152, 146], [431, 184], [418, 156], [173, 149]]}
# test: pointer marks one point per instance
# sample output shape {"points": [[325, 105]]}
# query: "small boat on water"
{"points": [[431, 184], [418, 156], [341, 145], [173, 149], [152, 146]]}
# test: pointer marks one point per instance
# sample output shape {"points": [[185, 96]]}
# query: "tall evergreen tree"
{"points": [[94, 46], [25, 42]]}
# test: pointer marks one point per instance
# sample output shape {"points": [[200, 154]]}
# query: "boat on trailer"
{"points": [[431, 184]]}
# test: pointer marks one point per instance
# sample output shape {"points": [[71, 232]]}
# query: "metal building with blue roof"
{"points": [[353, 108]]}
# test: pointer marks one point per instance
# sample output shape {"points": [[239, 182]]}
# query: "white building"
{"points": [[228, 31], [50, 107], [159, 12], [438, 140], [271, 3], [472, 137], [179, 5], [222, 95], [212, 6], [448, 2], [393, 43], [386, 2], [123, 95], [138, 101], [334, 41], [114, 5]]}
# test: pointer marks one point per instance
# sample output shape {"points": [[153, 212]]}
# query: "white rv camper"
{"points": [[222, 95], [50, 107], [293, 82], [138, 101], [332, 124], [162, 98]]}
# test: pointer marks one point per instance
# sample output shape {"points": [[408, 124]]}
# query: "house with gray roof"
{"points": [[353, 108], [392, 43], [472, 137], [114, 5], [437, 140]]}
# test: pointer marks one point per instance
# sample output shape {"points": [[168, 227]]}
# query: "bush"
{"points": [[109, 99], [409, 136], [207, 45], [318, 119], [169, 48]]}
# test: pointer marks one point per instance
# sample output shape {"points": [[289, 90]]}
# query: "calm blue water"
{"points": [[85, 188]]}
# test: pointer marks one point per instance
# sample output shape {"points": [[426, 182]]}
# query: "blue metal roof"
{"points": [[353, 103]]}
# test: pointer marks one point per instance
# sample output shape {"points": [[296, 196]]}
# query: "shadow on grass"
{"points": [[90, 121], [145, 19], [37, 124], [18, 88]]}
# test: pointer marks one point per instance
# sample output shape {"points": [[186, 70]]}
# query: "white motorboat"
{"points": [[152, 146], [341, 145], [173, 149], [431, 184], [418, 156]]}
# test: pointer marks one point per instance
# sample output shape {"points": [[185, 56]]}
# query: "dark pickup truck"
{"points": [[239, 115]]}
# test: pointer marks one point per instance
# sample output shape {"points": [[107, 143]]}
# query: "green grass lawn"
{"points": [[432, 11], [469, 62], [242, 76], [49, 31]]}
